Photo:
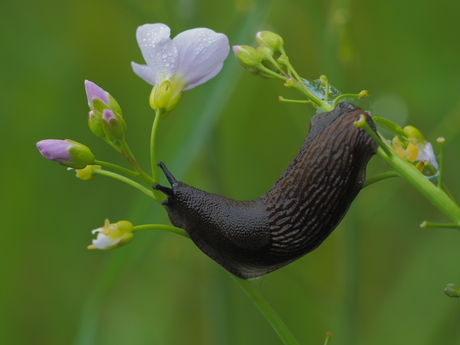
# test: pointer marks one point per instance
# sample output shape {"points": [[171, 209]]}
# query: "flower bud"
{"points": [[249, 57], [452, 290], [95, 123], [87, 174], [113, 125], [98, 99], [270, 40], [265, 52], [413, 133], [112, 235], [166, 95], [66, 152]]}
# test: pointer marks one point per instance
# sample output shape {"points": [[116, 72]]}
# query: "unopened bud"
{"points": [[249, 57], [113, 125], [95, 123], [100, 99], [270, 40], [452, 290], [66, 152]]}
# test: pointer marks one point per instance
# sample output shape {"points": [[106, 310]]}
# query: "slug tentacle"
{"points": [[253, 238]]}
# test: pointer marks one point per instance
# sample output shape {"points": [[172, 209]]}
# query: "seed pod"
{"points": [[253, 238]]}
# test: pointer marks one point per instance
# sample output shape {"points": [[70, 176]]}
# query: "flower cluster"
{"points": [[173, 66]]}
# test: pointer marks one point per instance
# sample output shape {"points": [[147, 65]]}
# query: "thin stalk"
{"points": [[126, 151], [161, 227], [380, 177], [116, 167], [153, 135], [267, 311], [124, 179]]}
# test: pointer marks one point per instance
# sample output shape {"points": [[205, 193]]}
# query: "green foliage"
{"points": [[377, 280]]}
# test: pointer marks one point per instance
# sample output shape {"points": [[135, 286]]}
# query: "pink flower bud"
{"points": [[66, 152]]}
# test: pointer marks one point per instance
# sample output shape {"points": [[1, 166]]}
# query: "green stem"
{"points": [[153, 135], [426, 224], [124, 179], [161, 227], [409, 172], [300, 87], [126, 151], [267, 311], [380, 177], [116, 167], [435, 195]]}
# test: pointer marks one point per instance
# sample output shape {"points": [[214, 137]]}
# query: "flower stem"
{"points": [[267, 311], [426, 224], [161, 227], [125, 180], [380, 177], [153, 135], [435, 195], [126, 151], [116, 167]]}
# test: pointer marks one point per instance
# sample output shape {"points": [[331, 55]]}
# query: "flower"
{"points": [[416, 148], [112, 235], [190, 59], [66, 152]]}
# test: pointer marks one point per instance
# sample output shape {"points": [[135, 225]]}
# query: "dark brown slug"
{"points": [[253, 238]]}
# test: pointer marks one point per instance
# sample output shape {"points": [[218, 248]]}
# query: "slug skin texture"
{"points": [[253, 238]]}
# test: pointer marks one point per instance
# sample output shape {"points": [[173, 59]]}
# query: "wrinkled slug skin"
{"points": [[253, 238]]}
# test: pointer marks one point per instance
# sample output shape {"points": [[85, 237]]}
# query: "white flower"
{"points": [[190, 59], [112, 235]]}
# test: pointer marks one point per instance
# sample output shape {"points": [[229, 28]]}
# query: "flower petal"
{"points": [[103, 241], [158, 50], [201, 55], [205, 78], [426, 153], [144, 72], [94, 91], [55, 150]]}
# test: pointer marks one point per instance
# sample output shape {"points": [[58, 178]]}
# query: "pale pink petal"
{"points": [[55, 150], [158, 50], [94, 91], [201, 55], [144, 72], [205, 78]]}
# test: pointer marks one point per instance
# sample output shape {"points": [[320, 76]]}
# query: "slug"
{"points": [[255, 237]]}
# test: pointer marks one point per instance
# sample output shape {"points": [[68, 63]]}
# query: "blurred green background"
{"points": [[377, 280]]}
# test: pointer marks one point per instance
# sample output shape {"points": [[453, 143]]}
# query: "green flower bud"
{"points": [[452, 290], [413, 133], [249, 57], [270, 40], [95, 123]]}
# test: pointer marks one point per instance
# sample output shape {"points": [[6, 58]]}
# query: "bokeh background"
{"points": [[377, 280]]}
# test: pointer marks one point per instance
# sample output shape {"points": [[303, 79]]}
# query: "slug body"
{"points": [[253, 238]]}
